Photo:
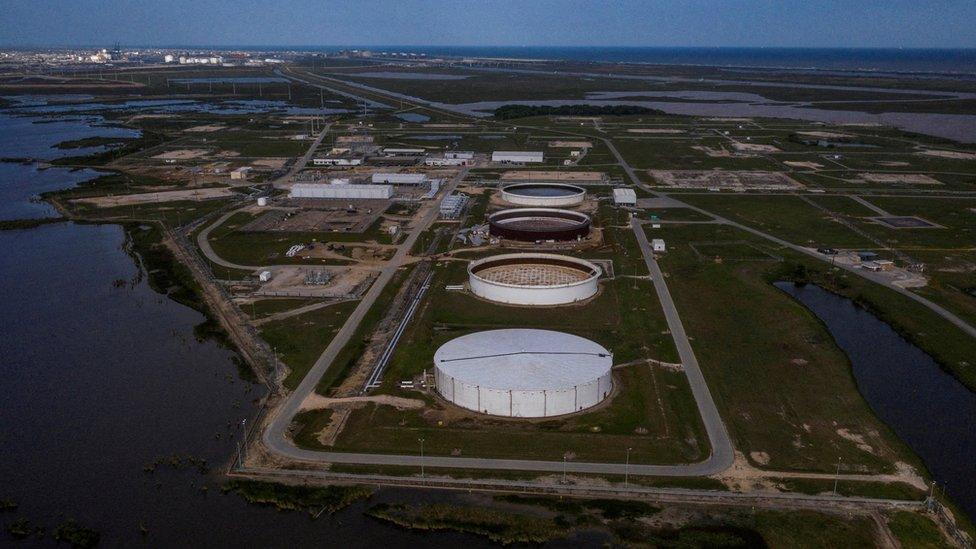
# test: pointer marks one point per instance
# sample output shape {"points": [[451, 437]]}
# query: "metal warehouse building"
{"points": [[400, 178], [523, 373], [624, 197], [518, 157], [322, 190]]}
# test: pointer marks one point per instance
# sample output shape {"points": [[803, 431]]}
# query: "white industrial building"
{"points": [[391, 151], [533, 279], [518, 157], [451, 158], [400, 178], [657, 245], [523, 373], [329, 161], [624, 197], [323, 190], [438, 161]]}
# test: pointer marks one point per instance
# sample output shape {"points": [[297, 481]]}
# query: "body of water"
{"points": [[104, 378], [864, 60], [230, 107], [927, 408], [412, 116]]}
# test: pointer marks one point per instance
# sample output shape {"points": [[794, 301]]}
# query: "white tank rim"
{"points": [[596, 270]]}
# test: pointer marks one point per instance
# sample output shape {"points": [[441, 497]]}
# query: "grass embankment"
{"points": [[313, 500], [916, 531], [498, 526], [531, 519], [18, 224], [952, 348], [170, 277], [299, 340], [266, 307], [784, 388], [349, 354], [946, 251]]}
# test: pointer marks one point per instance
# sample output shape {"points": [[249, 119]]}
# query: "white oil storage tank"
{"points": [[523, 373]]}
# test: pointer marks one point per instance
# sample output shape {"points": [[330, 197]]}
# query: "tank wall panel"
{"points": [[560, 402], [528, 403], [465, 395], [495, 402], [533, 296]]}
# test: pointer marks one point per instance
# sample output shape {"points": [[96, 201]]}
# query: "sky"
{"points": [[677, 23]]}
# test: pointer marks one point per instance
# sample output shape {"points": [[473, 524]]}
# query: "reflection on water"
{"points": [[412, 116], [105, 377], [926, 407]]}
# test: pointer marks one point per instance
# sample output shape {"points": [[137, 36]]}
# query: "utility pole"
{"points": [[837, 476], [243, 453], [421, 457], [564, 468], [627, 468]]}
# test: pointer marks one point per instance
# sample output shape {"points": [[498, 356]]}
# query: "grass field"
{"points": [[299, 340], [783, 387], [249, 248]]}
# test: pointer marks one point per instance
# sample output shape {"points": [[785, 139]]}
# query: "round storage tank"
{"points": [[532, 224], [523, 373], [533, 279], [551, 195]]}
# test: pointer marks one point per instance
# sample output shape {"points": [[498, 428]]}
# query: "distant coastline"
{"points": [[949, 62]]}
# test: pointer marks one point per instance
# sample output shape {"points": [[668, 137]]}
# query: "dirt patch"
{"points": [[182, 154], [316, 401], [153, 198], [762, 458], [899, 179], [570, 144], [807, 165], [206, 128], [954, 155], [734, 180], [857, 439], [273, 163], [754, 147]]}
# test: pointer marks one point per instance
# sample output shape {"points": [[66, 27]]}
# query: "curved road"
{"points": [[275, 435]]}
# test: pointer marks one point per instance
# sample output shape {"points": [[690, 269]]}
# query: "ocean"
{"points": [[931, 61]]}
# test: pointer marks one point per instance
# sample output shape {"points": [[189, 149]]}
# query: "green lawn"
{"points": [[782, 385], [300, 340]]}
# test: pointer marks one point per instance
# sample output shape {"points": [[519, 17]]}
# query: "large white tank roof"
{"points": [[523, 359]]}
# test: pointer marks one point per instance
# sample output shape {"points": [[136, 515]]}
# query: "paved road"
{"points": [[274, 435], [719, 460], [874, 277], [203, 239], [718, 436]]}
